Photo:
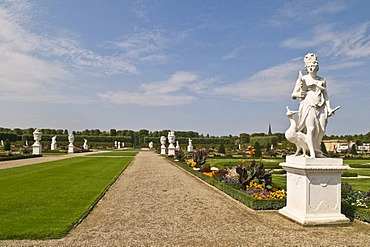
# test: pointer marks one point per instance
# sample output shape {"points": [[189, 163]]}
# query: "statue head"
{"points": [[310, 62]]}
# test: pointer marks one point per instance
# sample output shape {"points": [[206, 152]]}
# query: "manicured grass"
{"points": [[116, 153], [358, 183], [46, 200]]}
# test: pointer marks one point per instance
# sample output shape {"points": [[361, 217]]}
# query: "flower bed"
{"points": [[254, 200], [355, 204]]}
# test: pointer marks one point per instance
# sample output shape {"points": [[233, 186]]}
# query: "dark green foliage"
{"points": [[200, 157], [221, 149], [353, 150], [7, 145], [258, 153], [264, 140], [323, 149], [255, 172]]}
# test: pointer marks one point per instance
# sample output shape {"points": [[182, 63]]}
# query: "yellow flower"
{"points": [[212, 165]]}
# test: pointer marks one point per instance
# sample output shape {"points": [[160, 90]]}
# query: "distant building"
{"points": [[338, 146], [365, 148]]}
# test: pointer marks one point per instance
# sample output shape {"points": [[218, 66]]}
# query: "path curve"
{"points": [[155, 203]]}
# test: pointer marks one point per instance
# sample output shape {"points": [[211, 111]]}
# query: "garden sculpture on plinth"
{"points": [[314, 181], [37, 134], [171, 140], [53, 145], [163, 142], [71, 147]]}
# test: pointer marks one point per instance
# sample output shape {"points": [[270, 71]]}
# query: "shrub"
{"points": [[255, 172], [7, 145], [200, 157], [221, 149]]}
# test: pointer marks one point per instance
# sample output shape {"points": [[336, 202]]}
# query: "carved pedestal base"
{"points": [[36, 149], [163, 149], [71, 148], [171, 150], [314, 190], [190, 149]]}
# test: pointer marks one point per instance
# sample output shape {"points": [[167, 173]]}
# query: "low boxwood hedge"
{"points": [[357, 213], [249, 201], [18, 157]]}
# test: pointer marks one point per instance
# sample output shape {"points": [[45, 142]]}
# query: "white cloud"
{"points": [[180, 88], [305, 11], [38, 67], [271, 84], [353, 42]]}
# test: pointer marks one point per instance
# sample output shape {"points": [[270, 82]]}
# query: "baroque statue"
{"points": [[314, 110]]}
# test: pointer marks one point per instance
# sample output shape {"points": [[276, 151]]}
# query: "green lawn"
{"points": [[46, 200], [116, 153]]}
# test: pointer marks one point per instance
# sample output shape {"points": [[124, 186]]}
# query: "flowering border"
{"points": [[248, 200]]}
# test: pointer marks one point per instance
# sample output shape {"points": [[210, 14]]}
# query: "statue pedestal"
{"points": [[171, 149], [71, 148], [163, 149], [314, 190], [190, 149], [36, 148]]}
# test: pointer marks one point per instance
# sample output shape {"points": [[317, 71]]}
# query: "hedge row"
{"points": [[185, 140], [19, 157], [264, 141], [357, 213], [249, 201]]}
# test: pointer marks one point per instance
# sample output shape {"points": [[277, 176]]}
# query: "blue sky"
{"points": [[211, 66]]}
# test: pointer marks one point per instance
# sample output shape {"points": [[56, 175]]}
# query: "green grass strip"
{"points": [[46, 200], [116, 153]]}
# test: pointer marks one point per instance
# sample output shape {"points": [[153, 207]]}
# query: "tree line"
{"points": [[143, 136]]}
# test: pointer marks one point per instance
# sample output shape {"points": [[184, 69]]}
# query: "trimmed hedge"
{"points": [[249, 201], [357, 213], [19, 157]]}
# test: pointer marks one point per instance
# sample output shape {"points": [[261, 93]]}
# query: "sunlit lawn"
{"points": [[116, 153], [46, 200]]}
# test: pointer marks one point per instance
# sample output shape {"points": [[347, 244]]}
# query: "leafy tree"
{"points": [[257, 147], [353, 150], [7, 145], [221, 149], [113, 132]]}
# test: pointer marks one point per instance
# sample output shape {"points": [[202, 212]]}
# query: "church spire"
{"points": [[270, 132]]}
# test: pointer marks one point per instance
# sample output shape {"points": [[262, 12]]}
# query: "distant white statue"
{"points": [[171, 140], [115, 144], [119, 145], [37, 134], [314, 107], [26, 143], [150, 145], [2, 143], [53, 145], [122, 144], [177, 146], [163, 142], [71, 139], [85, 146], [190, 146]]}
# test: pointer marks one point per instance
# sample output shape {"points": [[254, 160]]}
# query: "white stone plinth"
{"points": [[36, 149], [163, 149], [190, 149], [171, 150], [314, 190], [71, 148]]}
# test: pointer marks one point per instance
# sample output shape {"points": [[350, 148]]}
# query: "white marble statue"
{"points": [[177, 146], [163, 142], [2, 143], [314, 106], [296, 137], [85, 146], [71, 139], [115, 144], [150, 145], [190, 146], [119, 145], [171, 140], [53, 145], [37, 134]]}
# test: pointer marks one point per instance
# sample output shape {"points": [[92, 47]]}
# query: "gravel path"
{"points": [[155, 203]]}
